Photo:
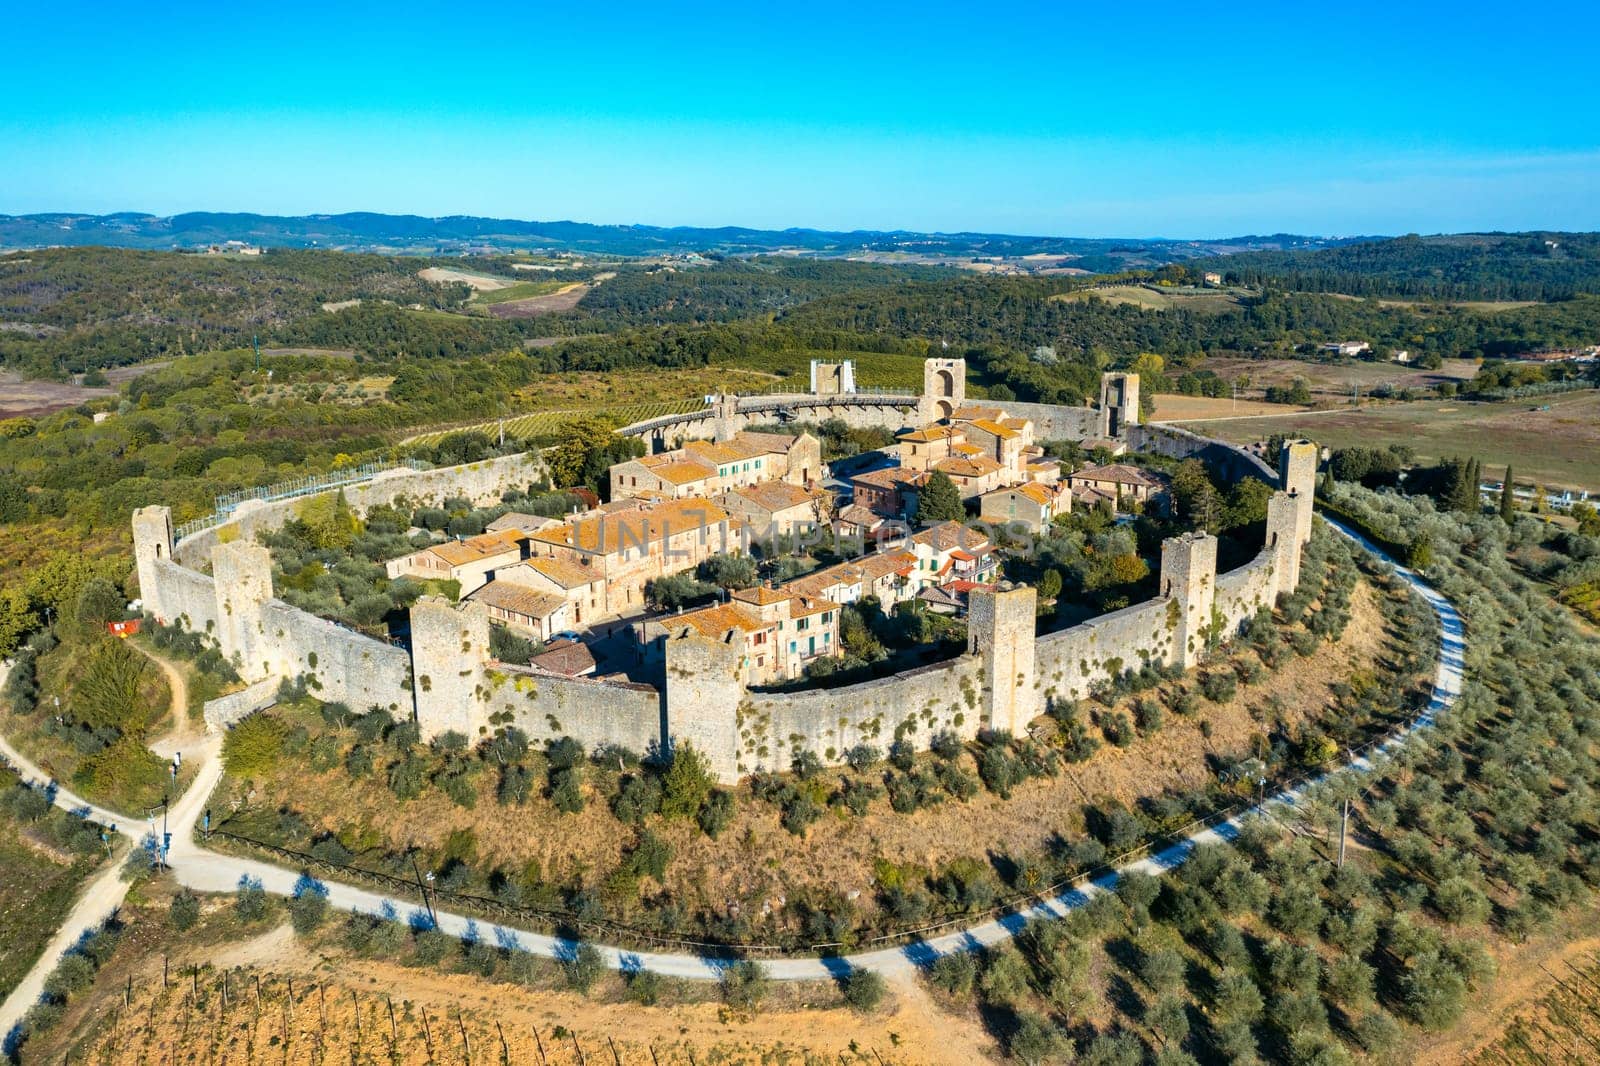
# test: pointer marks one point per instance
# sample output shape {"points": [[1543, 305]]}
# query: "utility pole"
{"points": [[423, 887], [1344, 832]]}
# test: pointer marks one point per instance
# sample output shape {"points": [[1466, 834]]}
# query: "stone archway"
{"points": [[946, 383], [944, 408]]}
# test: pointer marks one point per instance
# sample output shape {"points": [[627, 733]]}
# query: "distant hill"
{"points": [[1459, 266], [413, 234]]}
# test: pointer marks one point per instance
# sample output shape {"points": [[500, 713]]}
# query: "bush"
{"points": [[584, 967], [251, 902], [1219, 686], [744, 985], [308, 907], [644, 988], [184, 911], [864, 990], [862, 757], [252, 747], [432, 947], [955, 973], [1117, 728], [716, 814]]}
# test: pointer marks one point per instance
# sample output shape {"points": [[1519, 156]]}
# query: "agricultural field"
{"points": [[1175, 407], [1332, 377], [541, 298], [1155, 298], [1558, 447]]}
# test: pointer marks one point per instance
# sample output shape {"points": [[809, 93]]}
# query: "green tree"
{"points": [[939, 501], [1508, 498], [687, 784]]}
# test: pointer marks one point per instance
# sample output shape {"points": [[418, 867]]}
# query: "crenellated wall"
{"points": [[449, 682]]}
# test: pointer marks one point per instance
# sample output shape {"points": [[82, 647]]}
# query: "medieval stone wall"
{"points": [[1051, 422], [480, 482], [1006, 676]]}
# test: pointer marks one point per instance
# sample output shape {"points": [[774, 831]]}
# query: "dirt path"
{"points": [[185, 733], [210, 871]]}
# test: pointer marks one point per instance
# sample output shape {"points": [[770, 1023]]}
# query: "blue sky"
{"points": [[1188, 120]]}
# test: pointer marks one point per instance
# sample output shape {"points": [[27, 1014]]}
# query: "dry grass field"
{"points": [[1559, 447], [1336, 377], [757, 863], [1153, 298], [1174, 407], [564, 297], [476, 282]]}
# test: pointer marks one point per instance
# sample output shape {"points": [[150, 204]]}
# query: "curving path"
{"points": [[210, 871]]}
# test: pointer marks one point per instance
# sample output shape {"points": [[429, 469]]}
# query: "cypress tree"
{"points": [[1508, 500]]}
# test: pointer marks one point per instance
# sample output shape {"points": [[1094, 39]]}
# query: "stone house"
{"points": [[1034, 505], [1123, 482], [710, 468], [468, 561], [890, 492], [622, 552], [776, 632], [539, 614], [777, 508]]}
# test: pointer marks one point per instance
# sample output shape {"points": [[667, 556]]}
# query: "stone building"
{"points": [[709, 468], [1032, 506], [1123, 483], [778, 508], [776, 631], [469, 561]]}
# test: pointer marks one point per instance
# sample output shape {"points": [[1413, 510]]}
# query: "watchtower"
{"points": [[1000, 628], [1283, 518], [242, 573], [1189, 584], [703, 692], [944, 388], [152, 543], [449, 645], [1297, 474], [832, 379], [1119, 404]]}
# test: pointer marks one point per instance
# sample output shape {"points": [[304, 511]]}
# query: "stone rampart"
{"points": [[449, 682], [1051, 422], [224, 711], [481, 482]]}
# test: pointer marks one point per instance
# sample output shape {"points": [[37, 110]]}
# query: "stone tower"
{"points": [[725, 420], [1297, 474], [242, 571], [1283, 518], [944, 388], [703, 692], [449, 645], [1189, 584], [1119, 404], [1000, 629], [152, 543]]}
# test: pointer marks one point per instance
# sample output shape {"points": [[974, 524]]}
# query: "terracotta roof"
{"points": [[1041, 494], [761, 595], [683, 471], [564, 572], [777, 495], [993, 428], [817, 584], [929, 433], [741, 446], [857, 515], [719, 620], [880, 564], [1015, 423], [1117, 473], [608, 534], [567, 657], [950, 535], [889, 477], [974, 412], [527, 523], [518, 599], [770, 443], [957, 466], [477, 549], [967, 449]]}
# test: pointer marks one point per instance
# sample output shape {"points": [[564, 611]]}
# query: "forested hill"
{"points": [[1464, 266], [413, 234]]}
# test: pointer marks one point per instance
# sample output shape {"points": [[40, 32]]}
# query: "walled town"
{"points": [[732, 676]]}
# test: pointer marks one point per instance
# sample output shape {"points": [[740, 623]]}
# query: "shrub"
{"points": [[955, 973], [185, 910], [864, 990], [432, 947], [717, 813], [309, 905], [584, 967], [251, 748], [644, 987], [637, 799], [1117, 728], [862, 757], [251, 902], [1219, 686], [744, 985]]}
